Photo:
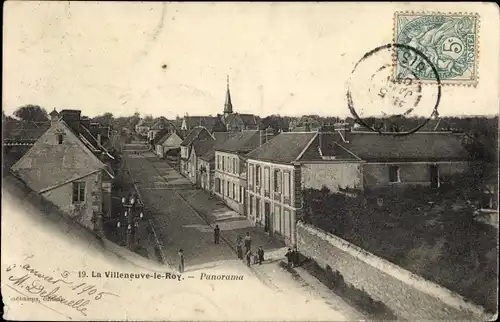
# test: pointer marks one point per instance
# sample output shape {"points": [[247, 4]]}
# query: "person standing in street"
{"points": [[216, 234], [295, 256], [248, 242], [260, 253], [288, 256], [181, 261], [239, 248], [249, 257]]}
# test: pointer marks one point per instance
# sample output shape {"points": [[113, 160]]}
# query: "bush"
{"points": [[417, 228]]}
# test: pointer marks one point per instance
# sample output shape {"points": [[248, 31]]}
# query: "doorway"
{"points": [[267, 217], [434, 172]]}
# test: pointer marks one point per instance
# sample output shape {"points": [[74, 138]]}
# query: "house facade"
{"points": [[143, 126], [207, 170], [66, 167], [279, 170], [169, 141], [161, 124], [230, 176], [199, 148], [200, 133]]}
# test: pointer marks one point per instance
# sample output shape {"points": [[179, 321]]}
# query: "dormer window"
{"points": [[59, 138]]}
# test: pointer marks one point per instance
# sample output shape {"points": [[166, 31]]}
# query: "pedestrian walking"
{"points": [[260, 253], [288, 256], [248, 242], [181, 261], [248, 257], [239, 248], [216, 234]]}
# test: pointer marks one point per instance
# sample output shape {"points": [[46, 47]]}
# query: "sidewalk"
{"points": [[213, 210]]}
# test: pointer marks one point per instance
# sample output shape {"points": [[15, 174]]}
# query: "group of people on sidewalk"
{"points": [[258, 257], [292, 257]]}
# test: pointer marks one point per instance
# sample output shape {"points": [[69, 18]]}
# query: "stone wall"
{"points": [[409, 296]]}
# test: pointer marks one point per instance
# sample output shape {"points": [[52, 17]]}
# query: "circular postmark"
{"points": [[385, 91]]}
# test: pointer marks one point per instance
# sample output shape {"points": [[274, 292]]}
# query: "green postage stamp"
{"points": [[449, 41]]}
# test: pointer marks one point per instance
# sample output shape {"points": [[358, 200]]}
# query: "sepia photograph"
{"points": [[246, 161]]}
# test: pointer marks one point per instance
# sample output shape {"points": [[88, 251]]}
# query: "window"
{"points": [[217, 185], [78, 192], [234, 166], [251, 205], [227, 191], [59, 139], [394, 174], [257, 207], [234, 191], [240, 199], [250, 175], [223, 168], [257, 175], [287, 184], [267, 179], [218, 162], [277, 181]]}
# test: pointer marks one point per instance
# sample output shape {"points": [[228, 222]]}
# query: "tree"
{"points": [[276, 122], [105, 119], [33, 113], [148, 118]]}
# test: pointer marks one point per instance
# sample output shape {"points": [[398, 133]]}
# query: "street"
{"points": [[182, 216], [175, 223]]}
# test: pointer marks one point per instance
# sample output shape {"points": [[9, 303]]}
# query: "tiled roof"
{"points": [[161, 123], [46, 166], [250, 119], [164, 138], [25, 132], [220, 140], [145, 123], [159, 136], [247, 119], [210, 122], [203, 146], [241, 142], [209, 155], [284, 148], [195, 132], [221, 137], [329, 148], [419, 146]]}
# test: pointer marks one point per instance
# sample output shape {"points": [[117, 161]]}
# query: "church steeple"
{"points": [[228, 106]]}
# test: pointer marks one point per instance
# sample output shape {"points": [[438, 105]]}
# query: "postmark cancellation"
{"points": [[450, 41]]}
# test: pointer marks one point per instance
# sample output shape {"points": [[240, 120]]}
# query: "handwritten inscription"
{"points": [[39, 286]]}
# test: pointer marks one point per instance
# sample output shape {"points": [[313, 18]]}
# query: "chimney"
{"points": [[72, 118], [54, 117], [85, 121], [266, 135]]}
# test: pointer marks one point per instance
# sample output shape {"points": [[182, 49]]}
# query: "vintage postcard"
{"points": [[213, 161]]}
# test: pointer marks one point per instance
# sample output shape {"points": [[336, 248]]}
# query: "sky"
{"points": [[169, 59]]}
